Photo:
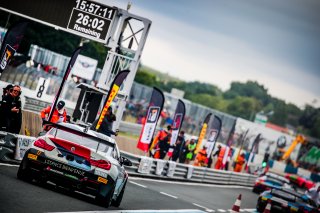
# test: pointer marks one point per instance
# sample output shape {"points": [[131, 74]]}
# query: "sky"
{"points": [[273, 42]]}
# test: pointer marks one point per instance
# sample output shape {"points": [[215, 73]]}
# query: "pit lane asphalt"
{"points": [[141, 194]]}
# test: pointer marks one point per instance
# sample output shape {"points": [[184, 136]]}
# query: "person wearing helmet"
{"points": [[59, 113]]}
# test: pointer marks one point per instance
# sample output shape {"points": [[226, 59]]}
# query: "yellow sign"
{"points": [[32, 156], [201, 137], [113, 94]]}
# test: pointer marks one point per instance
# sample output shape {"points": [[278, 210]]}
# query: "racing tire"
{"points": [[23, 171], [105, 201], [117, 202]]}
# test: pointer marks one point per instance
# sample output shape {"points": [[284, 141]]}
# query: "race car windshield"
{"points": [[90, 142], [274, 181], [284, 195]]}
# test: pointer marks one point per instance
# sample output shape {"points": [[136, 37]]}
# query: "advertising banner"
{"points": [[213, 134], [177, 123], [65, 77], [171, 168], [11, 43], [114, 88], [85, 67], [254, 147], [229, 143], [145, 165], [203, 132], [160, 166], [23, 143], [152, 116]]}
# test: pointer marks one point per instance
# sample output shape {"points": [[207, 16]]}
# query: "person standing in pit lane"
{"points": [[59, 114], [10, 110]]}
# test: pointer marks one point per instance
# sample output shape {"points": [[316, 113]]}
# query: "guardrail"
{"points": [[12, 148]]}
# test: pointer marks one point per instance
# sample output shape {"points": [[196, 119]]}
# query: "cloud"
{"points": [[238, 42]]}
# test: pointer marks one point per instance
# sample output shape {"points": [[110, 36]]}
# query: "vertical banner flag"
{"points": [[152, 116], [114, 88], [253, 148], [215, 128], [177, 123], [242, 142], [229, 143], [11, 43], [65, 77], [203, 132]]}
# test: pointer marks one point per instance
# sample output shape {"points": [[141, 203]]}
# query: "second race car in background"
{"points": [[300, 181], [286, 200], [269, 181]]}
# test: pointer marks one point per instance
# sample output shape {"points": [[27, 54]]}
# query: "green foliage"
{"points": [[242, 100], [214, 102], [243, 107], [248, 89], [146, 78]]}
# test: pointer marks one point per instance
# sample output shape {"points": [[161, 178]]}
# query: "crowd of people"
{"points": [[185, 151]]}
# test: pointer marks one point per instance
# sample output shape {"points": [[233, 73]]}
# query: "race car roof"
{"points": [[83, 131]]}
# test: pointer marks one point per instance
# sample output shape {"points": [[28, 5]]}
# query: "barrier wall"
{"points": [[12, 148]]}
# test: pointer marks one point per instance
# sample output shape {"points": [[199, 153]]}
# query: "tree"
{"points": [[146, 78], [243, 107], [248, 89]]}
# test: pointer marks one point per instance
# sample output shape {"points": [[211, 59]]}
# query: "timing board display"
{"points": [[88, 19]]}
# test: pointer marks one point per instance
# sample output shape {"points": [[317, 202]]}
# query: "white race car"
{"points": [[78, 158]]}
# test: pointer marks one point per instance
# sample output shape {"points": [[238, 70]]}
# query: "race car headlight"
{"points": [[43, 145]]}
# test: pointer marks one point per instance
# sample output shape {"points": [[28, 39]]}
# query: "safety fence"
{"points": [[13, 147]]}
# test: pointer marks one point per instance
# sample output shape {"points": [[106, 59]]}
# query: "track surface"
{"points": [[141, 194]]}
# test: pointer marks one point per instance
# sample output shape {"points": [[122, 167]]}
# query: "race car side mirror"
{"points": [[125, 161]]}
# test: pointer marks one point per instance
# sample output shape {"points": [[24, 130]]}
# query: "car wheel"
{"points": [[24, 172], [117, 202], [105, 201]]}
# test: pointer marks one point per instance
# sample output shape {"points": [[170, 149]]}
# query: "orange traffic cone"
{"points": [[268, 208], [236, 206]]}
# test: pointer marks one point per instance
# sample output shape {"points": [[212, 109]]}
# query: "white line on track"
{"points": [[199, 205], [221, 210], [250, 210], [138, 184], [6, 164], [169, 195], [205, 208], [190, 184]]}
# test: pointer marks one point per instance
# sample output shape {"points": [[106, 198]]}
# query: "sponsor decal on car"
{"points": [[64, 167]]}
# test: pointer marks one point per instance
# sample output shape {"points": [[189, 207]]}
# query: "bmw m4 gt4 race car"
{"points": [[78, 158]]}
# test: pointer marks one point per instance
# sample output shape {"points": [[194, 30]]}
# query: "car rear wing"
{"points": [[83, 133]]}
